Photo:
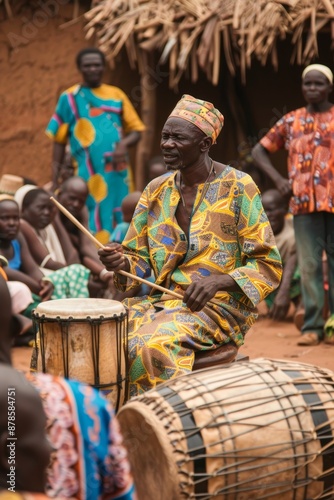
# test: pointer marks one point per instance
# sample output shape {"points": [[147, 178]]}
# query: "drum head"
{"points": [[143, 430], [80, 308]]}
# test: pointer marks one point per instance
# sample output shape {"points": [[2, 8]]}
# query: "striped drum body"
{"points": [[262, 429]]}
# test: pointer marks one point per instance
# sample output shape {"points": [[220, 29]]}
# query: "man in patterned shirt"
{"points": [[307, 134], [202, 231]]}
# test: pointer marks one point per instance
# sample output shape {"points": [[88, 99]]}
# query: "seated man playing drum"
{"points": [[203, 232]]}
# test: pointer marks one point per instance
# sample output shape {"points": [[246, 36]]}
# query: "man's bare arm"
{"points": [[263, 162]]}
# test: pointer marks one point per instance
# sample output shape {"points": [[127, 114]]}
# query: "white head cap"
{"points": [[319, 67]]}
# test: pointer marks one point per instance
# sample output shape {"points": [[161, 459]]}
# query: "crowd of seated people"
{"points": [[44, 255]]}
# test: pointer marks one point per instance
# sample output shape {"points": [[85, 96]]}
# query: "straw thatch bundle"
{"points": [[193, 34]]}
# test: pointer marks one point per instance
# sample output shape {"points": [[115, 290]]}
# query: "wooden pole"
{"points": [[149, 82]]}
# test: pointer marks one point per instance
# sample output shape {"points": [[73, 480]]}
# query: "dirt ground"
{"points": [[266, 339], [278, 340]]}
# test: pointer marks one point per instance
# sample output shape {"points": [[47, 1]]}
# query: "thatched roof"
{"points": [[193, 34]]}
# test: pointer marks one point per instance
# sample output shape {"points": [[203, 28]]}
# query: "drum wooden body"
{"points": [[85, 340], [262, 429]]}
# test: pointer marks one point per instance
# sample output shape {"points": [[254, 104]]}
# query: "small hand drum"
{"points": [[262, 429], [85, 340]]}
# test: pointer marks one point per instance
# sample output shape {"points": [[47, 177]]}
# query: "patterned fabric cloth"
{"points": [[69, 282], [93, 121], [119, 232], [309, 139], [201, 113], [229, 233], [88, 459]]}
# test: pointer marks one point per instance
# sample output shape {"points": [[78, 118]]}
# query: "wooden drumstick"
{"points": [[99, 244]]}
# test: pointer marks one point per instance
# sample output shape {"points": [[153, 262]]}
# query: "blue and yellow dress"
{"points": [[94, 120]]}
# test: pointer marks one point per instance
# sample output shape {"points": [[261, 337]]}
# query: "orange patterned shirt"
{"points": [[309, 139]]}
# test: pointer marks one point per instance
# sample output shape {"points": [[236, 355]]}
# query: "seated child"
{"points": [[155, 167], [128, 206], [279, 301]]}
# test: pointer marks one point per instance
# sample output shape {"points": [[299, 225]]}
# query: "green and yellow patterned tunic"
{"points": [[229, 233]]}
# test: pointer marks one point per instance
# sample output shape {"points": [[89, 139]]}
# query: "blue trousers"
{"points": [[314, 234]]}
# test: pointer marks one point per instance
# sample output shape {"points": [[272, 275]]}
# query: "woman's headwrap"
{"points": [[6, 197], [21, 193], [9, 184], [319, 67], [200, 113]]}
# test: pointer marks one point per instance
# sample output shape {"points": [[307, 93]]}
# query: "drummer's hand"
{"points": [[46, 290], [200, 292], [112, 257]]}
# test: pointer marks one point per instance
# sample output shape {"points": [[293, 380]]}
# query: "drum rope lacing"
{"points": [[314, 398], [121, 335]]}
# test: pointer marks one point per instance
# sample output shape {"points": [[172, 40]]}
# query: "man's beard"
{"points": [[175, 167]]}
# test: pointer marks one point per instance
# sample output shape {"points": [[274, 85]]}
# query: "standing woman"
{"points": [[307, 134], [100, 124]]}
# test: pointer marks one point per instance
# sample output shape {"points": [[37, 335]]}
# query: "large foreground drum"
{"points": [[85, 340], [256, 430]]}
